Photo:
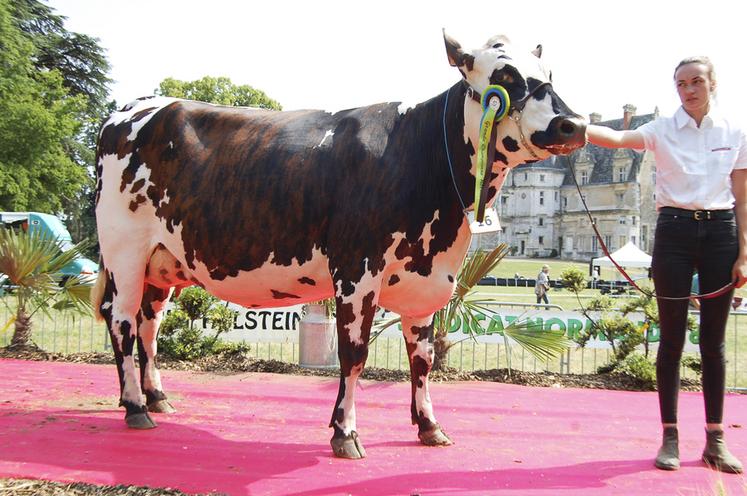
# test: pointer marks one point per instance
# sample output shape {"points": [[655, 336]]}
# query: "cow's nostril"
{"points": [[567, 127]]}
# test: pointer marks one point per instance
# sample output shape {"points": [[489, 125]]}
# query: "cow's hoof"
{"points": [[349, 446], [434, 437], [161, 406], [140, 421]]}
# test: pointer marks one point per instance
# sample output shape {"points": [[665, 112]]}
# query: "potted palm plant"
{"points": [[317, 335]]}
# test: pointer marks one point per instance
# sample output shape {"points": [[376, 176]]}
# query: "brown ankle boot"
{"points": [[668, 457], [717, 455]]}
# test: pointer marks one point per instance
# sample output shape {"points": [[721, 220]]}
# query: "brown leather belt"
{"points": [[697, 214]]}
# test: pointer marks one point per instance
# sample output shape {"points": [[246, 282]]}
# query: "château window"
{"points": [[542, 197], [542, 178], [584, 177]]}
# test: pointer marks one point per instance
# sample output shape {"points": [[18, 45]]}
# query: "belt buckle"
{"points": [[702, 215]]}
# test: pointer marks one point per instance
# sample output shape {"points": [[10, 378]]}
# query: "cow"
{"points": [[274, 208]]}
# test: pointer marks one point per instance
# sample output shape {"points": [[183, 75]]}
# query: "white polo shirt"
{"points": [[694, 165]]}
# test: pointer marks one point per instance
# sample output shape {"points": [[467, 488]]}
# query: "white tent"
{"points": [[627, 256]]}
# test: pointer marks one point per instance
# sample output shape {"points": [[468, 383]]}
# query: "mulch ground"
{"points": [[233, 363]]}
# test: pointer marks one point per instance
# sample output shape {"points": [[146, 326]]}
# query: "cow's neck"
{"points": [[462, 151]]}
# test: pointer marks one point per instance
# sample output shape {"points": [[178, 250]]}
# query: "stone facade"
{"points": [[542, 214]]}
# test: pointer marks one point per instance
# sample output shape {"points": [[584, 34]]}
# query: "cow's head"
{"points": [[538, 123]]}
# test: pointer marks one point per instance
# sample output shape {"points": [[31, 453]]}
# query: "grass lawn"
{"points": [[530, 267]]}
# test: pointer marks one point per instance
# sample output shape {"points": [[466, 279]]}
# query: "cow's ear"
{"points": [[457, 57], [537, 51]]}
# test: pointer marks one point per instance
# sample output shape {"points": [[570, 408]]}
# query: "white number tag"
{"points": [[489, 224]]}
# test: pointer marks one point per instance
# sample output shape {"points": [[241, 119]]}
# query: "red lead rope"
{"points": [[712, 294]]}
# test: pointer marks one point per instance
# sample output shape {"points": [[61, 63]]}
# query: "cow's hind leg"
{"points": [[418, 334], [118, 307], [149, 318], [354, 319]]}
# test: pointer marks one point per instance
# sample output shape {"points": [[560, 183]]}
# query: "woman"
{"points": [[701, 197]]}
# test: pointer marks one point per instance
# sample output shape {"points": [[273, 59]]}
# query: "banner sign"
{"points": [[280, 325], [261, 325]]}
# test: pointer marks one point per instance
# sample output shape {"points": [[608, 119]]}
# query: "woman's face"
{"points": [[694, 87]]}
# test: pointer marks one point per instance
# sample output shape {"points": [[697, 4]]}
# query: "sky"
{"points": [[334, 54]]}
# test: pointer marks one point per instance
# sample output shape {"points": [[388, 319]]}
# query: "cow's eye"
{"points": [[504, 78]]}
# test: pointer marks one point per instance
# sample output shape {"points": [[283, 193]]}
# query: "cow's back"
{"points": [[236, 192]]}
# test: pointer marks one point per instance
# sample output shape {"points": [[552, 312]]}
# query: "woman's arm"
{"points": [[739, 188], [610, 138]]}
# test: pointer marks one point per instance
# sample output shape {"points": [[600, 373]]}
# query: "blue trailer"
{"points": [[52, 227]]}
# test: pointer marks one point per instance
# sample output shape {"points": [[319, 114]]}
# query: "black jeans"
{"points": [[681, 246]]}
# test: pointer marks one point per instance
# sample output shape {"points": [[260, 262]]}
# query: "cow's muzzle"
{"points": [[563, 135]]}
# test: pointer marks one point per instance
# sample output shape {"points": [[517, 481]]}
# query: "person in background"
{"points": [[542, 284], [701, 186]]}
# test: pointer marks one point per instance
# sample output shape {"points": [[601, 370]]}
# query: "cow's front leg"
{"points": [[149, 318], [418, 334], [355, 315]]}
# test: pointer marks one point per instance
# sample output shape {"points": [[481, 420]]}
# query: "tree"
{"points": [[218, 90], [38, 126], [77, 57], [78, 71], [33, 264]]}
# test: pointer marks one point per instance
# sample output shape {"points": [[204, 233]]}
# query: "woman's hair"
{"points": [[700, 59]]}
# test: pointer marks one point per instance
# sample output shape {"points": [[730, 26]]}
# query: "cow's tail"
{"points": [[97, 294]]}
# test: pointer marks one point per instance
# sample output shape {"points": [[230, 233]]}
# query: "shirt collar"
{"points": [[682, 119]]}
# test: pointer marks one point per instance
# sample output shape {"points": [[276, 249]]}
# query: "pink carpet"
{"points": [[255, 434]]}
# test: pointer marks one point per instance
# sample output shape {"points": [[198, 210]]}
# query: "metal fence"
{"points": [[67, 333]]}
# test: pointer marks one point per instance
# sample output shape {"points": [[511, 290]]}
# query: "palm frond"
{"points": [[33, 263], [22, 256], [543, 345], [478, 266]]}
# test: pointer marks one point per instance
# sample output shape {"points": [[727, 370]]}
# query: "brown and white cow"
{"points": [[267, 208]]}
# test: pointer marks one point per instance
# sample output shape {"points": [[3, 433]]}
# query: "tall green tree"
{"points": [[77, 57], [60, 79], [219, 90], [39, 122]]}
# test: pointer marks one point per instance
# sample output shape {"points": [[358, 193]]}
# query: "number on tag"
{"points": [[489, 223]]}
